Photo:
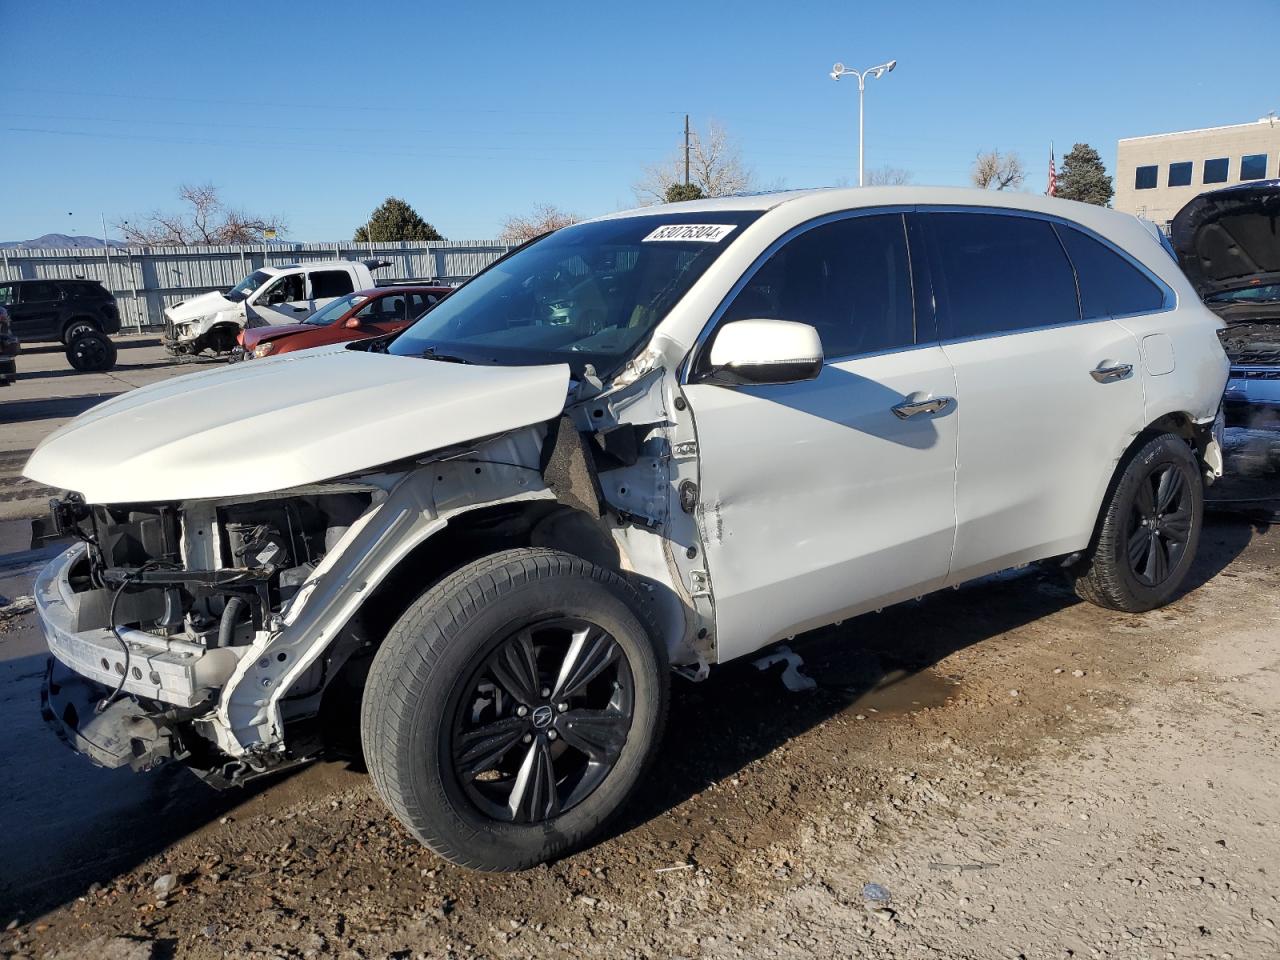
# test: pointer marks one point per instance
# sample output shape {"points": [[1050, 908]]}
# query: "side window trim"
{"points": [[688, 368], [1170, 298]]}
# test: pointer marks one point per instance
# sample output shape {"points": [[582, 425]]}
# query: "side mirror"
{"points": [[353, 324], [765, 351]]}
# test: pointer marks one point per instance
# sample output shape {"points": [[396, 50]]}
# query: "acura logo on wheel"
{"points": [[542, 716]]}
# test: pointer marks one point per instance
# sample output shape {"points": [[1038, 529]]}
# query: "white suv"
{"points": [[661, 439]]}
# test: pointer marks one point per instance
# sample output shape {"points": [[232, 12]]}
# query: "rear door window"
{"points": [[40, 292], [850, 279], [1109, 284], [996, 273], [330, 283]]}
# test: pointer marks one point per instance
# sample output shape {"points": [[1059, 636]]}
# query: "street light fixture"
{"points": [[875, 73]]}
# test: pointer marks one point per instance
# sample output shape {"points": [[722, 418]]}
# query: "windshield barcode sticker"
{"points": [[701, 232]]}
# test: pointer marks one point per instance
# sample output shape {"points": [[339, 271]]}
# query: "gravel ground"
{"points": [[1024, 775]]}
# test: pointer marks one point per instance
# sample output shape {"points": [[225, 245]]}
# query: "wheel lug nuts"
{"points": [[522, 711], [562, 707], [551, 734], [527, 738], [546, 692]]}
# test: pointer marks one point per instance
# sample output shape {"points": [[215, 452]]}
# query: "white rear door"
{"points": [[817, 500], [1048, 398]]}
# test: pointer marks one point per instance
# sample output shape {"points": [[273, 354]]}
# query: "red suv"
{"points": [[365, 313]]}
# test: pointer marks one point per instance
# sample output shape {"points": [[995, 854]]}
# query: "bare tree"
{"points": [[889, 177], [715, 167], [205, 220], [993, 170], [544, 218]]}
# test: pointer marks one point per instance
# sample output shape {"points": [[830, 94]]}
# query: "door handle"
{"points": [[1108, 371], [920, 403]]}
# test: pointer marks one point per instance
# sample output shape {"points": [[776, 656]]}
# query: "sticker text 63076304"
{"points": [[701, 232]]}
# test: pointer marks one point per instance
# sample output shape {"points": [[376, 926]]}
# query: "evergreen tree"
{"points": [[1084, 178], [395, 220], [682, 191]]}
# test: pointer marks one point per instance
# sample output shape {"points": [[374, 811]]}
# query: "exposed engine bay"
{"points": [[1252, 342]]}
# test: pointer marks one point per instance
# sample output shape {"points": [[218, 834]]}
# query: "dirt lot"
{"points": [[1025, 775]]}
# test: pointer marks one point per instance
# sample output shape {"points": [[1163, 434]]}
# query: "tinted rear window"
{"points": [[1109, 284], [996, 273], [330, 283]]}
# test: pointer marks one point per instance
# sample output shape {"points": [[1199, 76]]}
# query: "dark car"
{"points": [[58, 311], [8, 350], [1229, 248], [365, 313]]}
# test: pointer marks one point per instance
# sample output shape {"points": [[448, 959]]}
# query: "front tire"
{"points": [[514, 707], [1149, 531]]}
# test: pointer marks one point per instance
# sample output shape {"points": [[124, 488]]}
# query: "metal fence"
{"points": [[145, 280]]}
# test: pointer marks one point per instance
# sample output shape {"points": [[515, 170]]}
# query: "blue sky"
{"points": [[475, 111]]}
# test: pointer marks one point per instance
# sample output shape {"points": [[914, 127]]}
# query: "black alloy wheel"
{"points": [[1160, 524], [542, 721], [1148, 529], [515, 706]]}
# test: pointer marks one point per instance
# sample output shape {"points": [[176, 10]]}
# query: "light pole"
{"points": [[876, 72]]}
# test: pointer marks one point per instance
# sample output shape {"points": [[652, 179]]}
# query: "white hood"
{"points": [[200, 306], [274, 424]]}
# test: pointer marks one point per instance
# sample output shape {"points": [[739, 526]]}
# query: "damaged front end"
{"points": [[149, 615]]}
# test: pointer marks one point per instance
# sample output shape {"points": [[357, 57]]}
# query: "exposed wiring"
{"points": [[115, 632]]}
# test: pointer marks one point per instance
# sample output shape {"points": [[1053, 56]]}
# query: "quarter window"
{"points": [[998, 273], [1215, 171], [1145, 178], [850, 279], [1109, 284], [1180, 174], [331, 283], [41, 293], [1253, 167], [6, 296]]}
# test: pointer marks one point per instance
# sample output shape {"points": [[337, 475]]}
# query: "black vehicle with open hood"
{"points": [[1228, 243]]}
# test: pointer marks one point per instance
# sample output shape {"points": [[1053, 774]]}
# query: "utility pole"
{"points": [[686, 150]]}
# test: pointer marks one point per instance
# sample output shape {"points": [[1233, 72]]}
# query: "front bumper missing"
{"points": [[168, 670], [124, 733]]}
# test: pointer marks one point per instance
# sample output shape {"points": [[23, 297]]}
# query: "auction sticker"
{"points": [[701, 232]]}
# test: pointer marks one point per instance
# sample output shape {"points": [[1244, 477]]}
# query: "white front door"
{"points": [[817, 500], [1042, 422], [281, 301]]}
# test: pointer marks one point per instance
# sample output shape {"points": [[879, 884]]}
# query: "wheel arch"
{"points": [[1179, 423], [76, 317], [468, 536]]}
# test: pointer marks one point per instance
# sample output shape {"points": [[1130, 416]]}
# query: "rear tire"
{"points": [[91, 352], [76, 328], [1149, 531], [513, 708]]}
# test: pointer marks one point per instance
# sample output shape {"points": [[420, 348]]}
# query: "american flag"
{"points": [[1053, 176]]}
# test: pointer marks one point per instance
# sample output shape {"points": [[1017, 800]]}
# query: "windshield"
{"points": [[1267, 293], [332, 312], [249, 284], [590, 293]]}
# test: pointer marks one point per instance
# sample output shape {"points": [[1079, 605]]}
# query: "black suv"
{"points": [[58, 310]]}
